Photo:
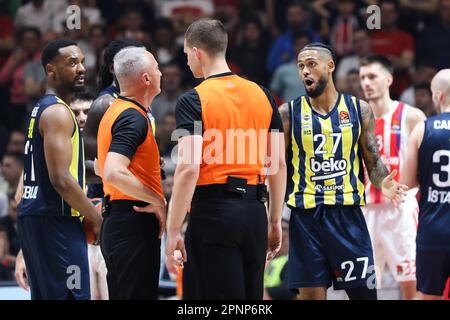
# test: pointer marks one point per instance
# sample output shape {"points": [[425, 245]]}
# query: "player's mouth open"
{"points": [[309, 82]]}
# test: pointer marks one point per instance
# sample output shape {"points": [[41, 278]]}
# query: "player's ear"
{"points": [[389, 79], [331, 65], [50, 69]]}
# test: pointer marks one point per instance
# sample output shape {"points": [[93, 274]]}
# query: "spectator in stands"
{"points": [[12, 74], [434, 42], [250, 54], [342, 31], [282, 49], [39, 13], [171, 88], [423, 74], [396, 44], [6, 273], [9, 224], [16, 143], [423, 99], [91, 15], [163, 134], [361, 44], [11, 167], [353, 84], [286, 82], [166, 47]]}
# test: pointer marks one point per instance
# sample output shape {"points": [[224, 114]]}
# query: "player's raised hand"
{"points": [[393, 190]]}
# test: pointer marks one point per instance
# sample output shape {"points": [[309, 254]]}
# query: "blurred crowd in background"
{"points": [[264, 39]]}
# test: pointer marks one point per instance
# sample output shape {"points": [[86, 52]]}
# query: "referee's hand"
{"points": [[175, 252], [160, 213], [274, 240]]}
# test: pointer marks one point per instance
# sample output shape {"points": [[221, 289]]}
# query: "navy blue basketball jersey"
{"points": [[434, 179], [111, 90], [39, 196], [324, 159]]}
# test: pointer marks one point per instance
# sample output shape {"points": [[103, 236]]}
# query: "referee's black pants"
{"points": [[132, 251], [226, 242]]}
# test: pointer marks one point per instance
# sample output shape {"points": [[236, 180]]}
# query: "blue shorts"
{"points": [[432, 271], [330, 245], [55, 253]]}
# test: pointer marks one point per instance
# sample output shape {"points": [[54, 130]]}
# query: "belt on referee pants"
{"points": [[220, 190], [117, 206]]}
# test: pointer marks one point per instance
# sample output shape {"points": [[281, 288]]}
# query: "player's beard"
{"points": [[319, 89]]}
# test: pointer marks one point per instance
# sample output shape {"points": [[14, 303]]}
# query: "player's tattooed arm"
{"points": [[284, 113], [368, 142]]}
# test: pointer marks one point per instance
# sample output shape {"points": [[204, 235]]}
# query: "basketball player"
{"points": [[53, 199], [329, 134], [427, 164], [392, 230]]}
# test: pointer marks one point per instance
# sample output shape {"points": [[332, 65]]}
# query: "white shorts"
{"points": [[393, 232], [97, 273]]}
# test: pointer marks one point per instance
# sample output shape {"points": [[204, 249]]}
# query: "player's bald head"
{"points": [[440, 87], [441, 81]]}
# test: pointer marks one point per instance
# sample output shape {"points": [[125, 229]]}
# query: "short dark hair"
{"points": [[105, 76], [424, 86], [84, 95], [297, 34], [353, 71], [316, 45], [17, 156], [393, 2], [51, 50], [21, 31], [207, 34], [380, 59]]}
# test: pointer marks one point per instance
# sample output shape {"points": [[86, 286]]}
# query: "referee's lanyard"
{"points": [[152, 121]]}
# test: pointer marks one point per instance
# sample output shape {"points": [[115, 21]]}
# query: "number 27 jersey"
{"points": [[324, 157]]}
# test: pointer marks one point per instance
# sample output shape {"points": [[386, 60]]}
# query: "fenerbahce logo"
{"points": [[328, 169]]}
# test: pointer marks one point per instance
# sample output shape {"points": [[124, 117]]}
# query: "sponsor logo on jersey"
{"points": [[338, 275], [437, 196], [344, 119], [390, 161], [441, 124], [321, 188], [328, 169], [30, 192]]}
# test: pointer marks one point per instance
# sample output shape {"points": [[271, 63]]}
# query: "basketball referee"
{"points": [[229, 123]]}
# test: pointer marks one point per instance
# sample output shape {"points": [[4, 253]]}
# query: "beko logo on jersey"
{"points": [[30, 192], [436, 196], [328, 169], [441, 124]]}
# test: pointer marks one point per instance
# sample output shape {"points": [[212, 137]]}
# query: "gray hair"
{"points": [[130, 61]]}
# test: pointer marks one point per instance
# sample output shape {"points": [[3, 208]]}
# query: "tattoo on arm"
{"points": [[368, 142], [284, 113]]}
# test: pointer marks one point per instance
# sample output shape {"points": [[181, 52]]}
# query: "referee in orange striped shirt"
{"points": [[229, 127]]}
